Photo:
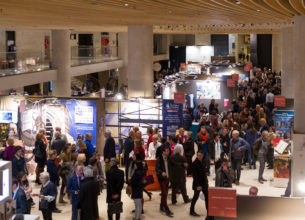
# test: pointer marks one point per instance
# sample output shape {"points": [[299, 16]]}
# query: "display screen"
{"points": [[208, 90], [5, 179], [8, 116]]}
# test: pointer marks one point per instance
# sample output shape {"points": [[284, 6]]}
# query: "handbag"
{"points": [[115, 207], [129, 190], [149, 180]]}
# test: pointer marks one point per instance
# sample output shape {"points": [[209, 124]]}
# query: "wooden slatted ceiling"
{"points": [[172, 16]]}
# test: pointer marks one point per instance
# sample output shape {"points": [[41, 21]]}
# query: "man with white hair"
{"points": [[237, 147], [109, 149], [58, 144], [88, 196], [178, 165], [260, 149]]}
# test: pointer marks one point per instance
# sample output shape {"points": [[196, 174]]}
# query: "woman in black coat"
{"points": [[189, 151], [137, 188], [40, 155]]}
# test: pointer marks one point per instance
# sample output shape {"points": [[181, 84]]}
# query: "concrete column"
{"points": [[123, 55], [61, 60], [276, 52], [298, 152], [287, 62], [140, 61]]}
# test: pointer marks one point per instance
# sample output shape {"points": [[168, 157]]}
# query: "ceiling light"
{"points": [[258, 10], [126, 5], [237, 2]]}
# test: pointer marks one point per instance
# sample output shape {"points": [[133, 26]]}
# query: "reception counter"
{"points": [[151, 163]]}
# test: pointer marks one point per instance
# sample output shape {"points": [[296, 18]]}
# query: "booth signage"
{"points": [[230, 83], [235, 77], [279, 101], [172, 117], [222, 202], [179, 98], [283, 122]]}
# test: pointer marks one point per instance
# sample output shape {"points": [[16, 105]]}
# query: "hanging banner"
{"points": [[179, 98], [283, 122], [235, 77], [222, 202], [172, 117], [279, 101], [230, 83]]}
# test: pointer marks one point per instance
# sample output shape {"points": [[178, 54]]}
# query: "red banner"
{"points": [[182, 65], [230, 83], [279, 101], [222, 202], [179, 98], [235, 77]]}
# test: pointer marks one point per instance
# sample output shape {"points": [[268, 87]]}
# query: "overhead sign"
{"points": [[179, 98], [222, 202], [230, 83], [235, 77], [279, 101]]}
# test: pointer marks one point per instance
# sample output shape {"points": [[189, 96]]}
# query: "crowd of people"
{"points": [[224, 142]]}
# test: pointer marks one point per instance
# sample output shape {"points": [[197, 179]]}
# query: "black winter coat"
{"points": [[137, 184], [115, 183], [188, 147], [199, 175], [109, 149], [87, 199], [177, 168], [160, 168]]}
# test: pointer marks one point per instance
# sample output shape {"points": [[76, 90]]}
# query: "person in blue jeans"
{"points": [[237, 147], [251, 136]]}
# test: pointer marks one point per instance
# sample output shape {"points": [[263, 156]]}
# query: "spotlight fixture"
{"points": [[119, 96], [237, 2], [126, 4]]}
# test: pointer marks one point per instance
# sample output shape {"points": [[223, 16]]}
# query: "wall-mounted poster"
{"points": [[208, 90], [283, 122], [172, 117]]}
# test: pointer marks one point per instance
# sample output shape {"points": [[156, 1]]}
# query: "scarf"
{"points": [[204, 137]]}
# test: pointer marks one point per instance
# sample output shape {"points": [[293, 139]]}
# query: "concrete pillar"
{"points": [[140, 61], [298, 151], [287, 62], [123, 55], [276, 52], [61, 60]]}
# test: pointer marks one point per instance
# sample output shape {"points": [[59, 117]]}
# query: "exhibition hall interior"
{"points": [[139, 110]]}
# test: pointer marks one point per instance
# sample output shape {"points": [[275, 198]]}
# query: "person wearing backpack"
{"points": [[40, 156]]}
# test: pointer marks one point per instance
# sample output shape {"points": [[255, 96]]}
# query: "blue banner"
{"points": [[283, 122], [82, 118], [172, 117]]}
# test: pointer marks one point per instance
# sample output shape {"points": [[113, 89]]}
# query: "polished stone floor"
{"points": [[180, 210]]}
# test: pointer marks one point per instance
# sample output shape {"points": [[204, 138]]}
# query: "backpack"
{"points": [[37, 151]]}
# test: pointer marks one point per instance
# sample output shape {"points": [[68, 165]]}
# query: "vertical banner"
{"points": [[283, 122], [279, 101], [172, 117], [82, 118], [230, 83], [179, 98]]}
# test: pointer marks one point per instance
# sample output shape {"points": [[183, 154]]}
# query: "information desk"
{"points": [[151, 163]]}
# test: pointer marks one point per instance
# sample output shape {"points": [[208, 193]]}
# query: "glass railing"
{"points": [[83, 55], [12, 63]]}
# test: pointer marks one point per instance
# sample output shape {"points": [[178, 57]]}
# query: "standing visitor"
{"points": [[20, 197], [115, 183], [65, 170], [19, 162], [153, 146], [137, 189], [224, 177], [181, 137], [237, 146], [9, 152], [73, 188], [40, 155], [109, 149], [25, 185], [89, 145], [251, 136], [200, 182], [260, 150], [149, 133], [189, 151], [88, 196], [202, 141], [162, 170], [128, 148], [47, 196], [58, 143], [82, 149]]}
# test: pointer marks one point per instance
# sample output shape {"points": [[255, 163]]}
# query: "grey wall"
{"points": [[226, 93]]}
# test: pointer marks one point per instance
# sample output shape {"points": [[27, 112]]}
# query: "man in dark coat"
{"points": [[200, 181], [58, 144], [109, 148], [20, 197], [189, 151], [224, 175], [115, 183], [128, 147], [73, 188], [177, 165], [88, 196], [18, 163], [163, 174]]}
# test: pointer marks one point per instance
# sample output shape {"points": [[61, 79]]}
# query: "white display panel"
{"points": [[200, 54], [8, 116], [5, 184], [208, 90], [84, 114]]}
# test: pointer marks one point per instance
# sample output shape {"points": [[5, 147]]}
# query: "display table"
{"points": [[194, 129], [151, 163]]}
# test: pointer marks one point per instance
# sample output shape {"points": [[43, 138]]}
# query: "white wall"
{"points": [[199, 53]]}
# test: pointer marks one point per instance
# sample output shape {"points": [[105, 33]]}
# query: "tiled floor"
{"points": [[181, 210]]}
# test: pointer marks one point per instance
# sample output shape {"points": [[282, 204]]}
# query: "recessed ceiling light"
{"points": [[258, 10], [126, 5], [237, 2]]}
